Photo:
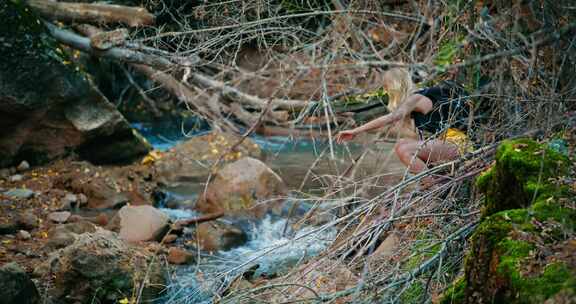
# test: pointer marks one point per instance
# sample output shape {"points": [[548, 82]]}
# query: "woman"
{"points": [[441, 111]]}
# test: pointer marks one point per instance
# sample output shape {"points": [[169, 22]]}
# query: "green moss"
{"points": [[414, 293], [520, 175], [522, 213], [511, 254], [455, 293]]}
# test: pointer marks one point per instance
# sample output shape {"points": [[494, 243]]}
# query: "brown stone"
{"points": [[169, 239], [59, 217], [239, 186], [190, 161], [179, 256], [216, 235], [142, 223]]}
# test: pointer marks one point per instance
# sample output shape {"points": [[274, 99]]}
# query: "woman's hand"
{"points": [[345, 136]]}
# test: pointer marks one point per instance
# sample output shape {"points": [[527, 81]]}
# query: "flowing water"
{"points": [[272, 246]]}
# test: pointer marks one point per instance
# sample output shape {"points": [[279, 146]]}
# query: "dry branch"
{"points": [[92, 13], [246, 99]]}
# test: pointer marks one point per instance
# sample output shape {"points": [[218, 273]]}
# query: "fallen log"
{"points": [[92, 13]]}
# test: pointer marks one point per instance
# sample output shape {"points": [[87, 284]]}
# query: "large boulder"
{"points": [[140, 223], [16, 287], [48, 107], [191, 161], [244, 187], [99, 267]]}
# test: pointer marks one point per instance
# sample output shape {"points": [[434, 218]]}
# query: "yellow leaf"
{"points": [[124, 301], [151, 157]]}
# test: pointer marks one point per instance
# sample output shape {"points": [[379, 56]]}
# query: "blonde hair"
{"points": [[398, 84]]}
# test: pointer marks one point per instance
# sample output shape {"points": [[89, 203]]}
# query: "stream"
{"points": [[272, 246]]}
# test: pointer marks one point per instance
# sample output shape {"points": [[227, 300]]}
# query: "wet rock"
{"points": [[237, 187], [16, 287], [63, 235], [23, 166], [20, 193], [141, 223], [179, 256], [16, 178], [59, 217], [23, 235], [47, 108], [217, 236], [100, 267], [27, 220], [190, 161]]}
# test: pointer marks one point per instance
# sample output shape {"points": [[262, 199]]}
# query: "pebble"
{"points": [[23, 166], [20, 193], [59, 216], [16, 178], [23, 235]]}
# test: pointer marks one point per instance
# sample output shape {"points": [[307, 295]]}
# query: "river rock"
{"points": [[59, 216], [239, 186], [179, 256], [217, 236], [63, 235], [100, 267], [48, 109], [20, 193], [190, 161], [140, 223], [16, 287]]}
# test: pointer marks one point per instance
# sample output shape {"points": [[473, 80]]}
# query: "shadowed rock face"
{"points": [[48, 107], [16, 286]]}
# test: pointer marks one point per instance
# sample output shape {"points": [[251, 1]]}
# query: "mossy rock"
{"points": [[521, 255], [520, 175]]}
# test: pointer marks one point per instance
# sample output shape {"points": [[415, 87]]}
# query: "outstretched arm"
{"points": [[414, 102]]}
